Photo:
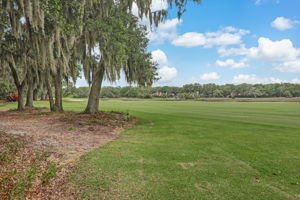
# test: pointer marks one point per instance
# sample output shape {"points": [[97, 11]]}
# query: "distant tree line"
{"points": [[191, 91]]}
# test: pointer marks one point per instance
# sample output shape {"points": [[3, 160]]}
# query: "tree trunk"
{"points": [[93, 101], [19, 85], [21, 98], [49, 91], [43, 96], [35, 94], [58, 107], [29, 99]]}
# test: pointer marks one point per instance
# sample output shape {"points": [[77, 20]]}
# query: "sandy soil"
{"points": [[65, 136]]}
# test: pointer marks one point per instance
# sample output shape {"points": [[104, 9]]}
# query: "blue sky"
{"points": [[228, 41]]}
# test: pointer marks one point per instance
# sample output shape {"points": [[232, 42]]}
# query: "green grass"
{"points": [[196, 150], [23, 183], [50, 173]]}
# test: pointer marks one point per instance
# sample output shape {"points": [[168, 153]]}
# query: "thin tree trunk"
{"points": [[29, 99], [35, 94], [93, 101], [58, 107], [21, 98], [19, 85], [49, 91], [43, 96]]}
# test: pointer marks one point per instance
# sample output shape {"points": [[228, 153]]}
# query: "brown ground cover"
{"points": [[38, 149]]}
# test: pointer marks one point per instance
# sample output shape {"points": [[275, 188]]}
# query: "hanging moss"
{"points": [[43, 38]]}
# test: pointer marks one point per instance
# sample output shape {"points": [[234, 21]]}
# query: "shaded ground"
{"points": [[37, 142]]}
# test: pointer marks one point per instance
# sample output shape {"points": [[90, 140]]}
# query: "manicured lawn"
{"points": [[196, 150]]}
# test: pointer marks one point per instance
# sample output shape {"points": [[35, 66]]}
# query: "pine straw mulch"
{"points": [[38, 149]]}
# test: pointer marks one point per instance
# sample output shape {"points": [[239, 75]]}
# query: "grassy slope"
{"points": [[197, 150]]}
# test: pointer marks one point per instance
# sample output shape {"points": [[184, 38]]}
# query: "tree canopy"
{"points": [[47, 43]]}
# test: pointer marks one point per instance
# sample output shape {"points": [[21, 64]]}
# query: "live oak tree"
{"points": [[43, 42], [35, 44], [121, 44], [21, 22]]}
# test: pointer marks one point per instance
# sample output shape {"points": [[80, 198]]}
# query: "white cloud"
{"points": [[242, 50], [253, 79], [282, 23], [159, 5], [210, 76], [281, 53], [289, 66], [156, 5], [166, 30], [226, 36], [296, 81], [159, 57], [274, 80], [167, 73], [135, 10], [269, 50], [231, 63], [258, 2], [190, 39], [245, 78]]}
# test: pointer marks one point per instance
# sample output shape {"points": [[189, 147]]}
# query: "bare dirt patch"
{"points": [[58, 140]]}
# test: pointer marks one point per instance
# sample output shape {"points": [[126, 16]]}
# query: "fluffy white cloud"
{"points": [[281, 54], [282, 23], [253, 79], [156, 5], [159, 5], [289, 66], [241, 51], [224, 37], [135, 9], [296, 81], [284, 56], [231, 63], [159, 57], [267, 50], [165, 73], [259, 2], [245, 78], [210, 76], [227, 36], [165, 31], [190, 39]]}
